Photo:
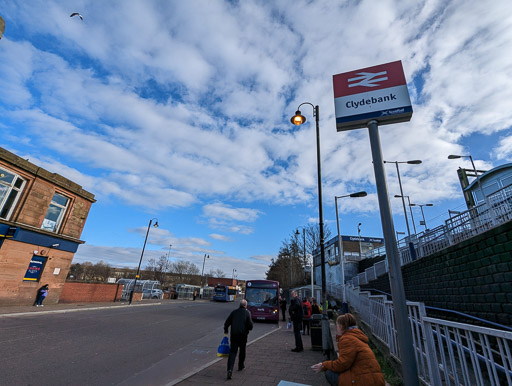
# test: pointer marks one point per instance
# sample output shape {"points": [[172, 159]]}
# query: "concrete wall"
{"points": [[90, 292], [473, 277]]}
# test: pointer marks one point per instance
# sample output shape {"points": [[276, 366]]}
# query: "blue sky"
{"points": [[180, 111]]}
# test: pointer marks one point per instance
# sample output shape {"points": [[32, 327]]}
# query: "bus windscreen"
{"points": [[263, 299]]}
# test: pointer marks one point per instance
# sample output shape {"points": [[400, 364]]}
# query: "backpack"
{"points": [[305, 310]]}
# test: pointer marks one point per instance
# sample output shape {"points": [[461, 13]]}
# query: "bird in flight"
{"points": [[76, 14]]}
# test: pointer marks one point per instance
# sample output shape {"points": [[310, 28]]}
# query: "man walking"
{"points": [[296, 317], [241, 323]]}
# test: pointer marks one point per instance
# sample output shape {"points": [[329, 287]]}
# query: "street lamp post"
{"points": [[233, 276], [141, 255], [453, 156], [304, 250], [410, 210], [422, 214], [359, 238], [344, 305], [298, 119], [412, 162], [202, 272]]}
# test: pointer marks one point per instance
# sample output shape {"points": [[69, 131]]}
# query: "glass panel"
{"points": [[18, 183], [8, 203], [5, 176], [491, 188], [59, 199], [3, 192], [506, 181], [51, 219]]}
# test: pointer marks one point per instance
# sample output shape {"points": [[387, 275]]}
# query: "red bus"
{"points": [[263, 299]]}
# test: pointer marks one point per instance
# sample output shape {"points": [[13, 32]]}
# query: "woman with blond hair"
{"points": [[356, 363]]}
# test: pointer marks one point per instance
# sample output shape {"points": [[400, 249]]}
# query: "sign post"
{"points": [[366, 98]]}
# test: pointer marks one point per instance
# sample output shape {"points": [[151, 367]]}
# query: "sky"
{"points": [[180, 111]]}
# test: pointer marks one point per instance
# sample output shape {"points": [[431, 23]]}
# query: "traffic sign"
{"points": [[373, 93]]}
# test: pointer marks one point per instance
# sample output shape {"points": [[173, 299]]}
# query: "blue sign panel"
{"points": [[35, 268]]}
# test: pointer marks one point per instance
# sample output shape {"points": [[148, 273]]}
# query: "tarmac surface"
{"points": [[269, 359]]}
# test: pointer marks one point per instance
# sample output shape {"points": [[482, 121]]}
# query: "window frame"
{"points": [[10, 188], [62, 214]]}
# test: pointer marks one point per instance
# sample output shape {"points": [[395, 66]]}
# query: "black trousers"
{"points": [[297, 326], [237, 342], [283, 310]]}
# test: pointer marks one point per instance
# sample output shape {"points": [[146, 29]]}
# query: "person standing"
{"points": [[356, 363], [296, 317], [306, 310], [41, 295], [282, 304], [241, 323]]}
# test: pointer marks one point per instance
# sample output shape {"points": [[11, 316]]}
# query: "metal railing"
{"points": [[447, 353], [495, 211]]}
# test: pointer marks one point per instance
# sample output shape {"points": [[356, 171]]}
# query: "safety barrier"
{"points": [[447, 353]]}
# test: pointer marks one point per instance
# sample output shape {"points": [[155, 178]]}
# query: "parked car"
{"points": [[152, 294]]}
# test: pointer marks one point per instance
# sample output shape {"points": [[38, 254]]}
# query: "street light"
{"points": [[412, 162], [453, 156], [202, 272], [233, 276], [423, 214], [344, 305], [298, 119], [359, 238], [410, 209], [141, 255], [304, 250]]}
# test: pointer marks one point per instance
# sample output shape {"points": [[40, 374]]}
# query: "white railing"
{"points": [[496, 211], [447, 353]]}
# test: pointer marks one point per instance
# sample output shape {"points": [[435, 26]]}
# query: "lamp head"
{"points": [[297, 233], [429, 204], [414, 162], [156, 224], [453, 156], [298, 119], [398, 196], [359, 194]]}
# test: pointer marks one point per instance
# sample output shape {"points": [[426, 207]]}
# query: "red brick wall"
{"points": [[90, 292]]}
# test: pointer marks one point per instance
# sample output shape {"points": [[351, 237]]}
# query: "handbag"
{"points": [[223, 350]]}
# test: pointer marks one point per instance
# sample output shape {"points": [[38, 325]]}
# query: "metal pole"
{"points": [[404, 334], [140, 261], [423, 215], [204, 260], [411, 245], [412, 216], [359, 237], [340, 251]]}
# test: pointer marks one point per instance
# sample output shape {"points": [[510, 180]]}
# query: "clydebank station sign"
{"points": [[374, 93]]}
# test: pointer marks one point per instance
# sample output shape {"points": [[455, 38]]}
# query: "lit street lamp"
{"points": [[340, 249], [141, 255], [202, 272], [298, 119], [412, 162], [422, 214]]}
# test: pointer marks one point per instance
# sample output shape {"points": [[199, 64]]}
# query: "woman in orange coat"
{"points": [[356, 364]]}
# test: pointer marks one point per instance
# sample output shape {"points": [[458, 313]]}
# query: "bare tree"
{"points": [[183, 270], [158, 268], [216, 273]]}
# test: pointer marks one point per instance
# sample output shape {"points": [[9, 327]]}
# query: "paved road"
{"points": [[139, 345]]}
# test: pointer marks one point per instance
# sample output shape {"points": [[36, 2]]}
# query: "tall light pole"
{"points": [[453, 156], [410, 210], [422, 214], [298, 119], [359, 238], [141, 255], [202, 272], [233, 276], [344, 305], [412, 162], [304, 250]]}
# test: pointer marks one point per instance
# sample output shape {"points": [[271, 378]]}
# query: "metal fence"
{"points": [[495, 211], [447, 353]]}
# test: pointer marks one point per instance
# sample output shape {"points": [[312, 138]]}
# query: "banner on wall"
{"points": [[35, 268]]}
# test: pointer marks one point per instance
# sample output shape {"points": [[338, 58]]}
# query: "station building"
{"points": [[42, 215]]}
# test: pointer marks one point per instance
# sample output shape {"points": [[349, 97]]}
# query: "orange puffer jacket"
{"points": [[356, 362]]}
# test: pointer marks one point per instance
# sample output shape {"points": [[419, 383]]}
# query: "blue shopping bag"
{"points": [[223, 350]]}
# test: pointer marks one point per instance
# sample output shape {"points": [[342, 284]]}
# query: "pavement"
{"points": [[269, 360]]}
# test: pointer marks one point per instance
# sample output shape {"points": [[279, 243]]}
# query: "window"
{"points": [[11, 186], [55, 213]]}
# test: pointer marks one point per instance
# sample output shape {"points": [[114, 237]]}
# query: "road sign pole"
{"points": [[405, 343]]}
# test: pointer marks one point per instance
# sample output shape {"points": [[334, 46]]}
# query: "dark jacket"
{"points": [[356, 361], [240, 322], [296, 310]]}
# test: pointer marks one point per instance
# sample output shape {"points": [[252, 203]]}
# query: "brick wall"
{"points": [[473, 277], [90, 292]]}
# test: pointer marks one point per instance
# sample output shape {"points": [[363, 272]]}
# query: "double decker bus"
{"points": [[263, 299], [224, 293]]}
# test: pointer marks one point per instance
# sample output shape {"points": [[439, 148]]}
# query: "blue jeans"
{"points": [[332, 377]]}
